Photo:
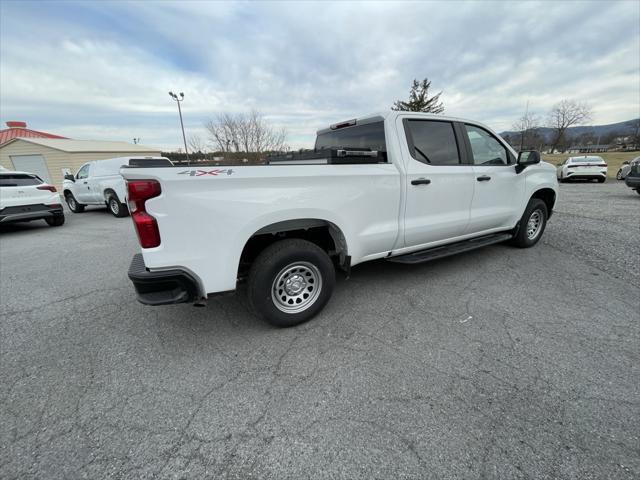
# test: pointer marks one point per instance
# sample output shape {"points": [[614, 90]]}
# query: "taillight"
{"points": [[146, 226], [51, 188]]}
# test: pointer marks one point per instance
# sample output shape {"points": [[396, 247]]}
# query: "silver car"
{"points": [[624, 169]]}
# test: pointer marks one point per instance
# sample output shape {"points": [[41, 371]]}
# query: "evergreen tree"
{"points": [[419, 100]]}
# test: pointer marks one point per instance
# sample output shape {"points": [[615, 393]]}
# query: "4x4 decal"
{"points": [[200, 173]]}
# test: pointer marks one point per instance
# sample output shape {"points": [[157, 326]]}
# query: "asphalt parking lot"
{"points": [[498, 363]]}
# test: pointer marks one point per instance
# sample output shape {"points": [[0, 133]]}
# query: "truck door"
{"points": [[94, 182], [82, 189], [439, 181], [498, 188]]}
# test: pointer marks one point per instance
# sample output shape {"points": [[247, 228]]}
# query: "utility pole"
{"points": [[184, 138]]}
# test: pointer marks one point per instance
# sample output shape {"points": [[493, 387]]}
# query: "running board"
{"points": [[451, 249]]}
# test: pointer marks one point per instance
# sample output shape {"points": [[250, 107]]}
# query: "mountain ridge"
{"points": [[623, 128]]}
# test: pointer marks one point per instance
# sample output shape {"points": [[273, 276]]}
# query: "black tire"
{"points": [[602, 180], [302, 263], [55, 221], [115, 207], [638, 191], [619, 175], [73, 204], [522, 238]]}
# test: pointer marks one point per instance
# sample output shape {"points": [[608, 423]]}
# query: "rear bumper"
{"points": [[593, 174], [632, 182], [163, 287], [25, 213]]}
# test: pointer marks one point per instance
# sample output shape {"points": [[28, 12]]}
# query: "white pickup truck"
{"points": [[402, 186], [99, 183]]}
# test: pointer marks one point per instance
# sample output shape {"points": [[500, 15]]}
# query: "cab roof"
{"points": [[380, 116]]}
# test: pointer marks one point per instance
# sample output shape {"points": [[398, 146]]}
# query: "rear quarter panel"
{"points": [[112, 182], [205, 220]]}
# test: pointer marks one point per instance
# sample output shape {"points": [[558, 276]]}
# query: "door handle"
{"points": [[484, 178], [84, 183], [421, 181]]}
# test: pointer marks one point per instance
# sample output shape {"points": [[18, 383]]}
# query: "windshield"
{"points": [[19, 180], [359, 137]]}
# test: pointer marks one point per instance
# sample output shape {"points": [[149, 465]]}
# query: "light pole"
{"points": [[178, 100]]}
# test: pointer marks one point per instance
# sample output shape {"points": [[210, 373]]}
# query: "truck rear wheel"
{"points": [[290, 282], [532, 224], [116, 208]]}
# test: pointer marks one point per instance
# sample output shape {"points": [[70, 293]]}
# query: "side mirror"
{"points": [[526, 158], [68, 176]]}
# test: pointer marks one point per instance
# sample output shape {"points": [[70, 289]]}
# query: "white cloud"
{"points": [[103, 70]]}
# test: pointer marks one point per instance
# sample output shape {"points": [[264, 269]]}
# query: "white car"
{"points": [[585, 167], [100, 183], [403, 186], [25, 197], [625, 169]]}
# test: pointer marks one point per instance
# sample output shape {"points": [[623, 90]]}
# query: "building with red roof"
{"points": [[49, 156], [19, 130]]}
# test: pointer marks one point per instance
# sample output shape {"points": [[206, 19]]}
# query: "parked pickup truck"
{"points": [[401, 186], [99, 183]]}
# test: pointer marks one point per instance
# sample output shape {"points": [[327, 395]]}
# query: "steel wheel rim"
{"points": [[534, 224], [71, 202], [113, 205], [296, 287]]}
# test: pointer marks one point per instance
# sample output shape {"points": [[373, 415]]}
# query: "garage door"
{"points": [[32, 164]]}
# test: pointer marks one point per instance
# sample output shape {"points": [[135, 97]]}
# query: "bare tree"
{"points": [[528, 126], [196, 144], [263, 137], [245, 133], [222, 132], [565, 114]]}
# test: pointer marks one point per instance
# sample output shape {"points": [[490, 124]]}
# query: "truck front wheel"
{"points": [[73, 204], [532, 224], [290, 282]]}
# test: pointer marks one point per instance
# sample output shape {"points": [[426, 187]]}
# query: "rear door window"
{"points": [[588, 160], [19, 180], [432, 142]]}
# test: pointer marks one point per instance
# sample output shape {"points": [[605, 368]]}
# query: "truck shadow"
{"points": [[231, 314], [19, 227]]}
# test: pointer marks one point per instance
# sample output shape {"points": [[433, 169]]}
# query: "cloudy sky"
{"points": [[102, 70]]}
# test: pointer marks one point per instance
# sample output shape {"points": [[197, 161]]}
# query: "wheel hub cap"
{"points": [[294, 284], [296, 287], [534, 224]]}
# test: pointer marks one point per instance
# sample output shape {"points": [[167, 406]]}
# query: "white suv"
{"points": [[25, 197]]}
